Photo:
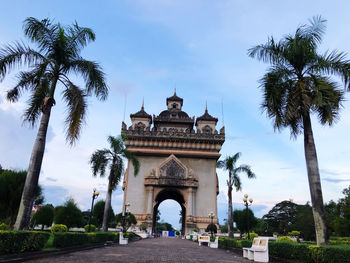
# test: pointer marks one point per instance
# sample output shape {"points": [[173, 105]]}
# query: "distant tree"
{"points": [[98, 211], [11, 187], [164, 226], [48, 68], [127, 221], [281, 217], [114, 159], [44, 216], [211, 228], [241, 219], [261, 227], [69, 214], [298, 84], [304, 222], [230, 165]]}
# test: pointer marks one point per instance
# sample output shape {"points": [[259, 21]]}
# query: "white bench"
{"points": [[259, 251], [204, 239]]}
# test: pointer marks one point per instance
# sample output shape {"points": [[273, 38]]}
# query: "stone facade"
{"points": [[177, 162]]}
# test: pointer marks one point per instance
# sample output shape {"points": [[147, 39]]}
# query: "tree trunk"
{"points": [[230, 219], [314, 182], [107, 207], [31, 183]]}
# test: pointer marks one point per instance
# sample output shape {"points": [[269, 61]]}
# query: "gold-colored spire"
{"points": [[206, 106]]}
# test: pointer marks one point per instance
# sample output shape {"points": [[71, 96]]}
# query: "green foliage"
{"points": [[246, 242], [224, 228], [177, 233], [3, 226], [253, 235], [195, 230], [212, 228], [290, 250], [69, 239], [294, 233], [59, 228], [240, 217], [43, 216], [126, 222], [69, 214], [143, 227], [11, 187], [98, 211], [22, 241], [285, 239], [164, 226], [92, 228], [101, 237]]}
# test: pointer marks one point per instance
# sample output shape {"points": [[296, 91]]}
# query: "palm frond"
{"points": [[135, 162], [270, 52], [18, 54], [79, 37], [247, 170], [99, 161], [76, 103], [326, 99], [35, 102], [236, 182], [116, 172], [116, 144], [41, 32], [93, 76]]}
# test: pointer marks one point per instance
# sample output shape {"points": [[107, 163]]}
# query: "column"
{"points": [[149, 190]]}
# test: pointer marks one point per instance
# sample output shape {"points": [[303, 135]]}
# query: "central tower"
{"points": [[177, 161]]}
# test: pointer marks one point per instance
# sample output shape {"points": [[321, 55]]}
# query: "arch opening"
{"points": [[169, 194]]}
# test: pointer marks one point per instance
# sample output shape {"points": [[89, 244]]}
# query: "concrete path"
{"points": [[151, 250]]}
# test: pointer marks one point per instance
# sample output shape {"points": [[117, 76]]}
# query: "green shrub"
{"points": [[335, 254], [290, 250], [3, 226], [246, 243], [143, 227], [59, 228], [177, 233], [92, 228], [253, 235], [22, 241], [195, 230], [69, 239], [294, 233], [285, 239]]}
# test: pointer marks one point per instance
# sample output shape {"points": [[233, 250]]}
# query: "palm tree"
{"points": [[113, 157], [297, 85], [230, 165], [57, 56]]}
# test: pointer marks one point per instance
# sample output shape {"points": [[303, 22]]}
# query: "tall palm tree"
{"points": [[56, 57], [230, 165], [113, 157], [298, 84]]}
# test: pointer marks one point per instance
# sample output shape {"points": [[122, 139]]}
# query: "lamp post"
{"points": [[211, 216], [94, 196], [124, 215], [247, 203]]}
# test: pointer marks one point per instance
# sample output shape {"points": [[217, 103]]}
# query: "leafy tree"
{"points": [[304, 222], [230, 165], [212, 228], [43, 216], [69, 214], [241, 219], [164, 226], [282, 217], [11, 187], [297, 85], [127, 221], [224, 228], [97, 213], [57, 56], [113, 158], [261, 227]]}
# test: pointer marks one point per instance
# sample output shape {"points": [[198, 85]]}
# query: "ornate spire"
{"points": [[143, 104], [206, 107]]}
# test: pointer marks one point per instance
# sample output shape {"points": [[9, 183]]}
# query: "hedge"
{"points": [[70, 239], [300, 252], [22, 241]]}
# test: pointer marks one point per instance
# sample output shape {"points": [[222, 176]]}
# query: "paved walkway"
{"points": [[151, 250]]}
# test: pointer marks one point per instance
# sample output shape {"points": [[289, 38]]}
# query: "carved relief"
{"points": [[172, 170], [207, 129]]}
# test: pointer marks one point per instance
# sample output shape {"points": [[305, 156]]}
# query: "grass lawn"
{"points": [[49, 244]]}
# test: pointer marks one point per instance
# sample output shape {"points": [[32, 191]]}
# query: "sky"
{"points": [[148, 48]]}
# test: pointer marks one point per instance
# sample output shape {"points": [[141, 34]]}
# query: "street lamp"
{"points": [[94, 196], [247, 203], [211, 216], [124, 215]]}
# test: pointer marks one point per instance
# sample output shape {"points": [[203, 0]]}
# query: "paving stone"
{"points": [[159, 250]]}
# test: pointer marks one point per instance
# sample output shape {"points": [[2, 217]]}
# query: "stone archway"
{"points": [[172, 194], [178, 157]]}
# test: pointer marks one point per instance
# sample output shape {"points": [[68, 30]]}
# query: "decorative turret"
{"points": [[206, 123], [174, 102], [141, 119]]}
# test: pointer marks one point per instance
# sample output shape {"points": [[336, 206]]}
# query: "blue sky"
{"points": [[147, 48]]}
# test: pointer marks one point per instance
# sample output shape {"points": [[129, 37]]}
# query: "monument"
{"points": [[177, 161]]}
